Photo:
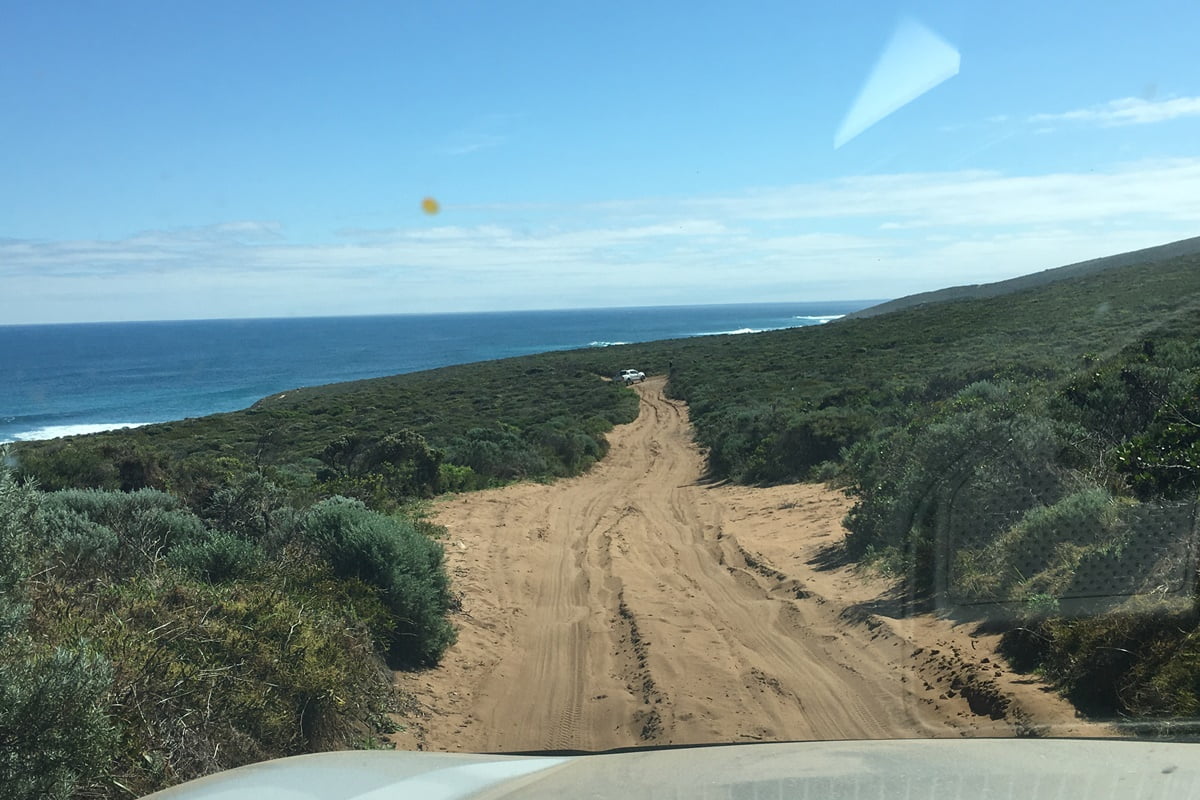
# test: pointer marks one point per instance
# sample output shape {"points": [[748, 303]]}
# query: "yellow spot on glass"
{"points": [[430, 206]]}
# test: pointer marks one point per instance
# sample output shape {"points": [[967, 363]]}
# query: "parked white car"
{"points": [[628, 376]]}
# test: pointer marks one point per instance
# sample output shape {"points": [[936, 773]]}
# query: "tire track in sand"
{"points": [[614, 609]]}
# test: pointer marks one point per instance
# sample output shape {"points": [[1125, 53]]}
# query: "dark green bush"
{"points": [[69, 464], [804, 441], [217, 557], [499, 454], [567, 449], [458, 478], [402, 464], [391, 555], [246, 505], [1130, 661]]}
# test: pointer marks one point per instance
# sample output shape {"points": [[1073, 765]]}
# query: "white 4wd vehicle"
{"points": [[628, 376]]}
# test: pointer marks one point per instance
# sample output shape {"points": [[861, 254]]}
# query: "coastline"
{"points": [[87, 378]]}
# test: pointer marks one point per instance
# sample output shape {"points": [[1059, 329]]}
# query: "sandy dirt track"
{"points": [[636, 605]]}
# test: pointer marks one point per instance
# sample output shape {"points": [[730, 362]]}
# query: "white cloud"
{"points": [[1126, 111], [1167, 189], [861, 237]]}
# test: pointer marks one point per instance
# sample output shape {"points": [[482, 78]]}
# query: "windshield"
{"points": [[528, 377]]}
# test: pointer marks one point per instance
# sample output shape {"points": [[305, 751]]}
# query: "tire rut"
{"points": [[648, 720], [614, 609]]}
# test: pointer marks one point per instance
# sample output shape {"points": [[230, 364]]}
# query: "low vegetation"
{"points": [[144, 644], [203, 593], [384, 441]]}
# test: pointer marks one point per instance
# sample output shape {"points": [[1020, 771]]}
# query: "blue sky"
{"points": [[221, 159]]}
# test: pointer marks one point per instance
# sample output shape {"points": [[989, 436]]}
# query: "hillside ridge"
{"points": [[977, 291]]}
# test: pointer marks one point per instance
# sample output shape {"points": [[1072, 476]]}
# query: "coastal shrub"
{"points": [[1139, 415], [360, 453], [1055, 536], [805, 441], [1114, 402], [78, 463], [458, 478], [124, 511], [1129, 661], [75, 544], [500, 454], [414, 464], [596, 425], [210, 677], [371, 490], [389, 554], [1164, 460], [196, 476], [18, 512], [566, 447], [383, 472], [243, 505], [217, 557], [252, 507], [734, 433], [137, 465], [146, 525], [55, 733], [952, 484], [68, 464], [1163, 681]]}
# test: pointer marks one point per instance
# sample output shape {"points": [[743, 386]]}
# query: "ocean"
{"points": [[59, 380]]}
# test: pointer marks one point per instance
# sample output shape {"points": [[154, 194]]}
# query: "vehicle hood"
{"points": [[829, 770]]}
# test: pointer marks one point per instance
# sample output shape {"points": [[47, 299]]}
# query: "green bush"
{"points": [[1135, 660], [70, 464], [247, 505], [953, 483], [1165, 680], [217, 557], [55, 734], [499, 454], [146, 524], [804, 441], [1053, 539], [81, 547], [457, 478], [210, 677], [18, 512], [566, 449], [391, 555], [402, 464]]}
